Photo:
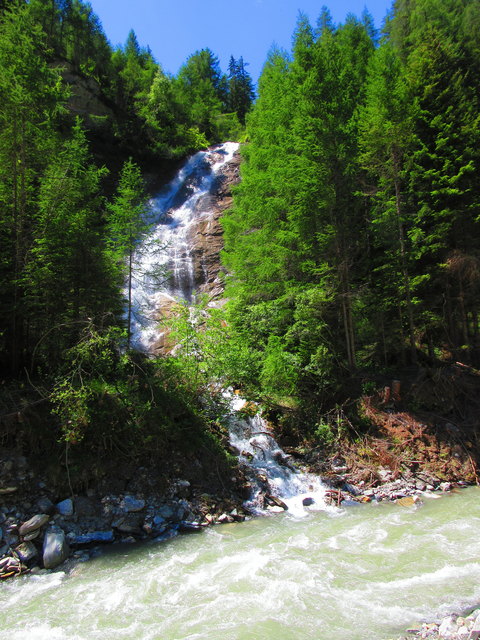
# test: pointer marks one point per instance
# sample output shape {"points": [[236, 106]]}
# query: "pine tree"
{"points": [[126, 225], [31, 98]]}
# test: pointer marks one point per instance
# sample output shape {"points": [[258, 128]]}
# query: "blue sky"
{"points": [[174, 29]]}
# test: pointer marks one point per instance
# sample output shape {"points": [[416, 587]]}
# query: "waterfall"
{"points": [[164, 274], [163, 263], [276, 483]]}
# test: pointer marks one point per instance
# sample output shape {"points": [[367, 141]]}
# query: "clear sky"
{"points": [[174, 29]]}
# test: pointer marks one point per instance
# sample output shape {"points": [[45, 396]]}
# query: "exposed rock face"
{"points": [[207, 234], [86, 99]]}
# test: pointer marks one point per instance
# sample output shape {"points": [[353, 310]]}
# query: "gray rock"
{"points": [[351, 489], [32, 535], [448, 628], [94, 536], [26, 551], [129, 523], [45, 505], [131, 504], [158, 521], [65, 507], [166, 512], [169, 533], [34, 523], [55, 549]]}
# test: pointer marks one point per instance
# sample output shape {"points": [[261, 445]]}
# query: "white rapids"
{"points": [[271, 472]]}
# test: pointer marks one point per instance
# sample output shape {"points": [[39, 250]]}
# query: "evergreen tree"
{"points": [[240, 89], [31, 97], [65, 279], [202, 89], [126, 226]]}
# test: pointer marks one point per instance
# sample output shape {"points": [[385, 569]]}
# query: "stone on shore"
{"points": [[131, 504], [55, 549], [33, 524], [65, 507]]}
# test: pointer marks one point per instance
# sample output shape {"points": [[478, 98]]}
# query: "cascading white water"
{"points": [[270, 470], [163, 265], [164, 270]]}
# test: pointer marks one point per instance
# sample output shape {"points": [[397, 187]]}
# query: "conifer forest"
{"points": [[351, 251]]}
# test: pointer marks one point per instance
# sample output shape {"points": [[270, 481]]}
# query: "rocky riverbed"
{"points": [[451, 627], [39, 529]]}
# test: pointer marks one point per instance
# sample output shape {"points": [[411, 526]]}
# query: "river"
{"points": [[356, 573]]}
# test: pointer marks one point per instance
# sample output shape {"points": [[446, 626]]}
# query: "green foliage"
{"points": [[106, 398]]}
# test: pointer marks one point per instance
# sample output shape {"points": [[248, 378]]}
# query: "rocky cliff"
{"points": [[206, 235]]}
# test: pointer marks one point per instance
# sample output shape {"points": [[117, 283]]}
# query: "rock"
{"points": [[33, 524], [276, 502], [475, 630], [463, 633], [45, 505], [93, 537], [129, 523], [32, 535], [55, 549], [446, 486], [407, 501], [307, 502], [7, 490], [11, 538], [224, 518], [26, 551], [9, 565], [385, 475], [131, 504], [350, 503], [169, 533], [448, 628], [166, 512], [273, 509], [65, 507], [351, 489]]}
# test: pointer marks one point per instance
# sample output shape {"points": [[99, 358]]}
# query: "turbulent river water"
{"points": [[363, 572], [356, 573]]}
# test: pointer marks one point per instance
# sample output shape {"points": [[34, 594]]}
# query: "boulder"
{"points": [[131, 504], [128, 523], [26, 551], [45, 505], [55, 549], [448, 628], [93, 537], [34, 523], [65, 507]]}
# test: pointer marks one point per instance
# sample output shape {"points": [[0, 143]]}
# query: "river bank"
{"points": [[41, 528]]}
